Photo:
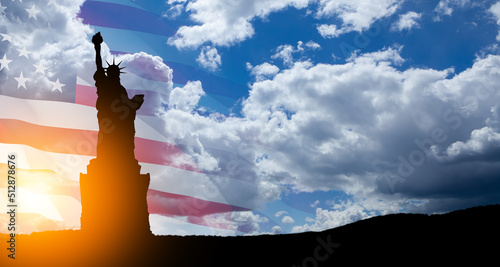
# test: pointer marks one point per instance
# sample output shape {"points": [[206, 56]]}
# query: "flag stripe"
{"points": [[164, 203], [49, 113], [221, 93], [66, 115], [67, 166], [43, 181], [55, 140], [65, 169], [86, 95], [123, 17], [83, 142], [45, 188]]}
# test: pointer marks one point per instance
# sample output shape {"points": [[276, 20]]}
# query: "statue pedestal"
{"points": [[113, 196]]}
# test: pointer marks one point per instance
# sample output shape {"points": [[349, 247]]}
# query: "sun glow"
{"points": [[45, 201]]}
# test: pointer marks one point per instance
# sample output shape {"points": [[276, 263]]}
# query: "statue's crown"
{"points": [[113, 68]]}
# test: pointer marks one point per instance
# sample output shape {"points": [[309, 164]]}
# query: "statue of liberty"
{"points": [[114, 192], [115, 111]]}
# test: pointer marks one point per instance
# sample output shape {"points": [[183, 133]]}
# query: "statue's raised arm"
{"points": [[97, 40]]}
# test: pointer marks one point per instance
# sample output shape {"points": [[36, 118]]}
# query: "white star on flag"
{"points": [[4, 62], [40, 68], [23, 52], [52, 2], [21, 81], [32, 12], [6, 37], [57, 85]]}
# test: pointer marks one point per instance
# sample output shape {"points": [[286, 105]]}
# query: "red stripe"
{"points": [[161, 203], [85, 95], [83, 142], [169, 204]]}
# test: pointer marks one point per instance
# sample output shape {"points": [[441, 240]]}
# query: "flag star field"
{"points": [[259, 117]]}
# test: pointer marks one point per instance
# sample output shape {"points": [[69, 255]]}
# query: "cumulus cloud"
{"points": [[329, 31], [286, 52], [327, 219], [176, 8], [248, 222], [407, 21], [263, 71], [209, 58], [276, 230], [364, 127], [280, 213], [347, 125], [313, 45], [388, 55], [186, 98], [446, 7], [287, 220], [355, 15], [495, 11], [224, 22], [482, 141]]}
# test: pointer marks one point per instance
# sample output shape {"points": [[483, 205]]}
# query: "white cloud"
{"points": [[407, 21], [280, 213], [495, 10], [186, 98], [263, 71], [157, 76], [209, 58], [481, 141], [309, 219], [287, 219], [313, 45], [286, 52], [386, 55], [248, 222], [174, 11], [327, 219], [446, 7], [276, 230], [225, 22], [329, 31], [355, 15], [345, 127]]}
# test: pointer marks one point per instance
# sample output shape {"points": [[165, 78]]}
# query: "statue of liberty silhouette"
{"points": [[116, 112]]}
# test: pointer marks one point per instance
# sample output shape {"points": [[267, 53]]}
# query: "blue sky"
{"points": [[313, 113], [322, 180]]}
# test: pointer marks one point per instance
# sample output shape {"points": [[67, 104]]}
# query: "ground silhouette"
{"points": [[464, 236]]}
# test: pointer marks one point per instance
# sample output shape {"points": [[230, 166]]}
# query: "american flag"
{"points": [[48, 116]]}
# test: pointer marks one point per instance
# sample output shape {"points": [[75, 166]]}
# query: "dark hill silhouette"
{"points": [[464, 236]]}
